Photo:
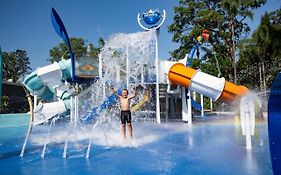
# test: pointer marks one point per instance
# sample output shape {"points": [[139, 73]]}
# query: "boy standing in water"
{"points": [[125, 111]]}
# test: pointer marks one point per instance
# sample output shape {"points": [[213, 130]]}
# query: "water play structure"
{"points": [[78, 89], [50, 82], [74, 114]]}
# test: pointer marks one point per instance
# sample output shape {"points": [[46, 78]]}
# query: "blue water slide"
{"points": [[196, 105], [107, 103], [274, 124]]}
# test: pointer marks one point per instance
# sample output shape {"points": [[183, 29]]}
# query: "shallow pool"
{"points": [[212, 145]]}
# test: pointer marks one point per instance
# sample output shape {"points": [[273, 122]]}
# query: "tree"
{"points": [[248, 65], [15, 64], [224, 19], [262, 40], [79, 48], [260, 55], [237, 11]]}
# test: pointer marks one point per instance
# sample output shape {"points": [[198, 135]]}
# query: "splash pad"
{"points": [[92, 128]]}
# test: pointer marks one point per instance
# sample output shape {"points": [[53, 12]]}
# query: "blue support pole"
{"points": [[192, 54]]}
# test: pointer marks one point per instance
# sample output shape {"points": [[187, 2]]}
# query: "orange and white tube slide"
{"points": [[208, 85]]}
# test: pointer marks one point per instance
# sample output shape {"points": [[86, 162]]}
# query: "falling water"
{"points": [[132, 57], [126, 59], [249, 109], [136, 49], [48, 140]]}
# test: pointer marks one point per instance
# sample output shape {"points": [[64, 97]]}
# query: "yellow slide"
{"points": [[141, 102]]}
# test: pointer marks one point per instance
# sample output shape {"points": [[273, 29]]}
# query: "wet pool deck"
{"points": [[212, 145]]}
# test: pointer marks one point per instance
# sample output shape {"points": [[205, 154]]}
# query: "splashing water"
{"points": [[126, 59], [123, 59]]}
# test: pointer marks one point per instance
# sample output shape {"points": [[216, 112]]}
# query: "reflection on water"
{"points": [[210, 146]]}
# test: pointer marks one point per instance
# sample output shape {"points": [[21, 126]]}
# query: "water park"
{"points": [[181, 120]]}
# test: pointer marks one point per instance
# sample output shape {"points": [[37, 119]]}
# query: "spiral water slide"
{"points": [[208, 85], [46, 82]]}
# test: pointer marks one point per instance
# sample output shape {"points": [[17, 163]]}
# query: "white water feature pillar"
{"points": [[76, 105], [186, 106], [71, 109], [75, 110], [100, 66], [158, 119], [211, 104], [35, 100], [184, 111], [142, 75], [154, 27], [247, 119], [189, 114], [127, 65], [202, 105]]}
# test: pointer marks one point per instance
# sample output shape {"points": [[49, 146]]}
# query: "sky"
{"points": [[27, 24]]}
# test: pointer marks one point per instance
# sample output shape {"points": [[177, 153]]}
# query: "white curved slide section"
{"points": [[47, 83], [46, 111]]}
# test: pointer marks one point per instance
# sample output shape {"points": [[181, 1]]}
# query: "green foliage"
{"points": [[248, 67], [214, 64], [79, 48], [15, 64], [225, 21], [260, 56]]}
